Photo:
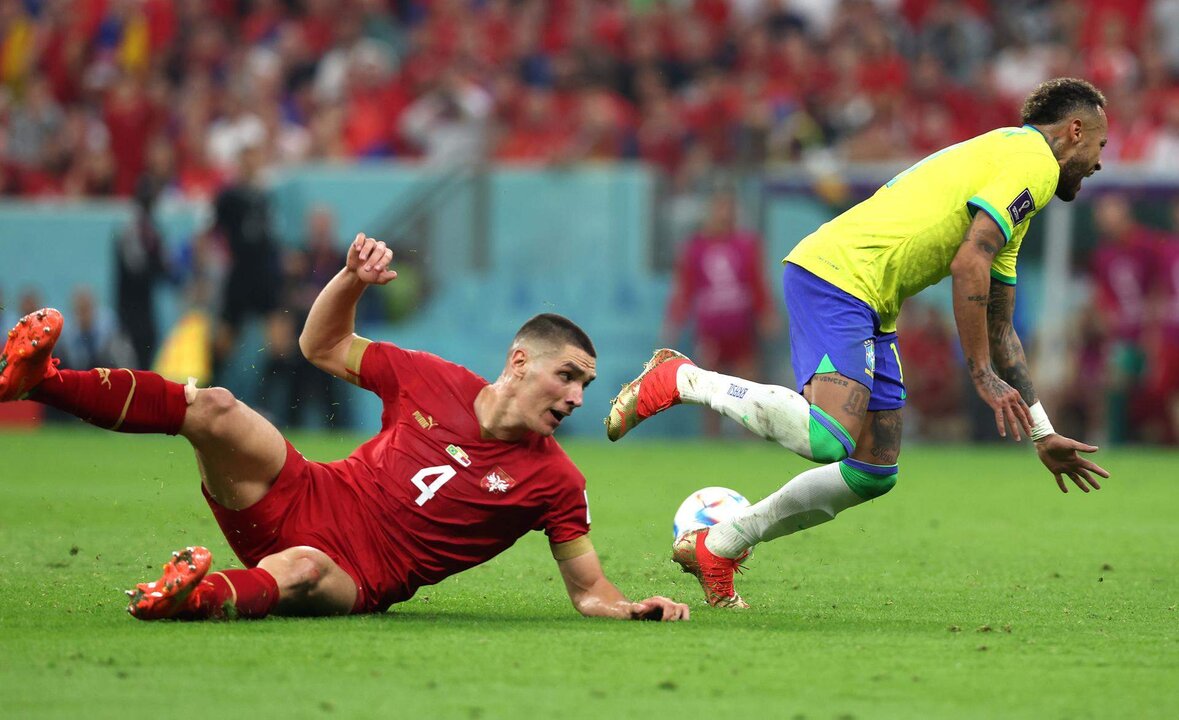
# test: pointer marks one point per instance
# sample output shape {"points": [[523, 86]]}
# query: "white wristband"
{"points": [[1041, 426]]}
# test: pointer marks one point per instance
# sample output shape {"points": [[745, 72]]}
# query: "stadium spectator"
{"points": [[460, 470], [131, 117], [32, 126], [237, 130], [242, 218], [450, 123], [139, 267], [955, 33], [1121, 268], [1163, 151], [1162, 382], [311, 393], [1082, 393], [331, 80], [93, 338], [933, 374], [720, 294]]}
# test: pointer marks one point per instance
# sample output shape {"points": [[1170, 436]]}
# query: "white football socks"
{"points": [[769, 411], [810, 499]]}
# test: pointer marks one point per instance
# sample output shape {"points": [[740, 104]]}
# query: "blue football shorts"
{"points": [[832, 331]]}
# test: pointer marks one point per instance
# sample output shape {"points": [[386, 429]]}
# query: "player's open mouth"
{"points": [[558, 415]]}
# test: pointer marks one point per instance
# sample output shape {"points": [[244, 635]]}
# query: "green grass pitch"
{"points": [[974, 589]]}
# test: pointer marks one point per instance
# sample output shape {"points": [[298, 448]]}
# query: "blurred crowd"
{"points": [[203, 99], [95, 92]]}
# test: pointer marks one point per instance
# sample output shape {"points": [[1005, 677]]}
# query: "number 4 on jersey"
{"points": [[443, 473]]}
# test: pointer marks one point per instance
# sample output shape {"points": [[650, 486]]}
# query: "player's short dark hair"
{"points": [[556, 330], [1053, 100]]}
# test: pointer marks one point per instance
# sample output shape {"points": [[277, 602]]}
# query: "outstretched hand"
{"points": [[1059, 455], [370, 259], [1011, 412], [659, 608]]}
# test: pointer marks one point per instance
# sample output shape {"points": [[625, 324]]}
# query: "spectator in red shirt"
{"points": [[1163, 340], [1121, 268], [719, 291], [131, 118]]}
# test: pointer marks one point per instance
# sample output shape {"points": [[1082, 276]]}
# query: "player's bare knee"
{"points": [[301, 568], [211, 411]]}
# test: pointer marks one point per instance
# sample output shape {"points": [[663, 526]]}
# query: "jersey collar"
{"points": [[1033, 127]]}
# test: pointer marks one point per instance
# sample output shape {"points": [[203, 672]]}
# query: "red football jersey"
{"points": [[446, 498]]}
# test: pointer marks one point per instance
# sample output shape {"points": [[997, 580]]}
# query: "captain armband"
{"points": [[355, 354], [572, 549], [1041, 426]]}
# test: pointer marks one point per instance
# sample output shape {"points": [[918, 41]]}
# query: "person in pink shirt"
{"points": [[1162, 383], [1121, 272], [720, 293]]}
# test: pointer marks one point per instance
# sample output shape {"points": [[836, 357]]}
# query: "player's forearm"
{"points": [[332, 317], [603, 599], [1006, 349], [971, 281], [1009, 360]]}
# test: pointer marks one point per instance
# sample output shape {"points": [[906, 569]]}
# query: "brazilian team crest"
{"points": [[870, 358]]}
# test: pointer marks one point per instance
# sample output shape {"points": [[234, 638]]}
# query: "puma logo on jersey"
{"points": [[497, 481], [426, 421], [105, 375]]}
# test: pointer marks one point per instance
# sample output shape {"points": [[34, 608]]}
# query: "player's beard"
{"points": [[1071, 175]]}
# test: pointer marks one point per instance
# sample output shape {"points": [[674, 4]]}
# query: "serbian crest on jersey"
{"points": [[497, 481]]}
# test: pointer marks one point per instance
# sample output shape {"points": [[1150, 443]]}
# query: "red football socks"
{"points": [[234, 593], [128, 401]]}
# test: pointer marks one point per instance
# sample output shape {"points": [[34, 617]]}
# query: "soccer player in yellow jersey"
{"points": [[962, 212]]}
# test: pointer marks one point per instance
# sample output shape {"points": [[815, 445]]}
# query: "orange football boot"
{"points": [[173, 596], [714, 572], [27, 360], [652, 392]]}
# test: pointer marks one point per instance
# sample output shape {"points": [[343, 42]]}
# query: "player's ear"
{"points": [[518, 361]]}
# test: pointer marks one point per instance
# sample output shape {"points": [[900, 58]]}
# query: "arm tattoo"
{"points": [[1010, 362], [999, 305], [992, 384], [1006, 349]]}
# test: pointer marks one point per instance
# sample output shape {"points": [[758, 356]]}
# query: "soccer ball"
{"points": [[707, 507]]}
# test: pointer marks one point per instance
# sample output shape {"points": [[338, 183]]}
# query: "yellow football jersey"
{"points": [[903, 238]]}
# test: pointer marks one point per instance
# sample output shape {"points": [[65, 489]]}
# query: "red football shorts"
{"points": [[317, 504]]}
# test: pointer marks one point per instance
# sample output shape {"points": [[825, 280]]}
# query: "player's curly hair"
{"points": [[554, 329], [1054, 99]]}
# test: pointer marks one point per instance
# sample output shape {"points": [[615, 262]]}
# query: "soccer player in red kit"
{"points": [[460, 470]]}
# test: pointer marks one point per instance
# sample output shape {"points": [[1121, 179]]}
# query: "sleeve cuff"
{"points": [[1000, 277], [1004, 226]]}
